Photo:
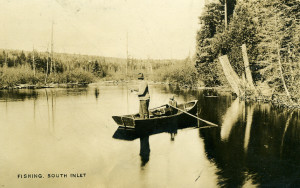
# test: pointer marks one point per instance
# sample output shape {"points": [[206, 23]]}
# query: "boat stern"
{"points": [[124, 121]]}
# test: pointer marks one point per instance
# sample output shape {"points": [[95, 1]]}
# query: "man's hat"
{"points": [[140, 76]]}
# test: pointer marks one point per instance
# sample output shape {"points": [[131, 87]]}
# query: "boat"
{"points": [[160, 116]]}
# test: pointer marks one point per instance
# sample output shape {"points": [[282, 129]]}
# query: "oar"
{"points": [[210, 123]]}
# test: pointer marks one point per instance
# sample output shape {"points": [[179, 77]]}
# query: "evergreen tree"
{"points": [[269, 28]]}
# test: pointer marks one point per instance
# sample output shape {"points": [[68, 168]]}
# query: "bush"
{"points": [[183, 74], [74, 76], [10, 77]]}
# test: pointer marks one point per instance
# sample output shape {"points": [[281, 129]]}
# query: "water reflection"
{"points": [[231, 118], [51, 109], [97, 92], [130, 135], [144, 134], [17, 95], [144, 150], [250, 111], [256, 145], [34, 110], [287, 124], [258, 151]]}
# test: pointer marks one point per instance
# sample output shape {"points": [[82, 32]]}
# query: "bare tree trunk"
{"points": [[249, 79], [231, 75], [282, 77], [47, 67], [33, 63], [5, 61], [247, 68], [226, 14]]}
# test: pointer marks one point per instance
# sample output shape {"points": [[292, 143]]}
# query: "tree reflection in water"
{"points": [[230, 118], [263, 150]]}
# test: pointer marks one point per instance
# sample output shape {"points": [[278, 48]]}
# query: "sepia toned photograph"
{"points": [[149, 93]]}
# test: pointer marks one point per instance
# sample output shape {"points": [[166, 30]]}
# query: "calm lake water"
{"points": [[70, 131]]}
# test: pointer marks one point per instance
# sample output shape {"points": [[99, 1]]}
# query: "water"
{"points": [[63, 131]]}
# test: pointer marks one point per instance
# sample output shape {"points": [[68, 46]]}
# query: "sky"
{"points": [[159, 29]]}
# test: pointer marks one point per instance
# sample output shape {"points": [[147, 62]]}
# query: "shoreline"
{"points": [[42, 86], [208, 91]]}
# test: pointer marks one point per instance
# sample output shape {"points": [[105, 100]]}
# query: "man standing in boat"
{"points": [[172, 103], [144, 96]]}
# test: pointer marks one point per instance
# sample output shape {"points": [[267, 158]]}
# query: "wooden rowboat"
{"points": [[160, 116]]}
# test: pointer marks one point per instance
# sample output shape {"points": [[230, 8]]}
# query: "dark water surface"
{"points": [[63, 131]]}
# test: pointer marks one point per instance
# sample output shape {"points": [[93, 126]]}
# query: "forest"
{"points": [[42, 68], [269, 28]]}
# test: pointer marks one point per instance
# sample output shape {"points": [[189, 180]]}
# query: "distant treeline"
{"points": [[269, 28], [23, 67]]}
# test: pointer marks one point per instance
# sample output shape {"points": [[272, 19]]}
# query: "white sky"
{"points": [[158, 29]]}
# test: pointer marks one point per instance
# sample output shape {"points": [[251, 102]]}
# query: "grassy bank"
{"points": [[182, 73], [38, 68], [12, 77]]}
